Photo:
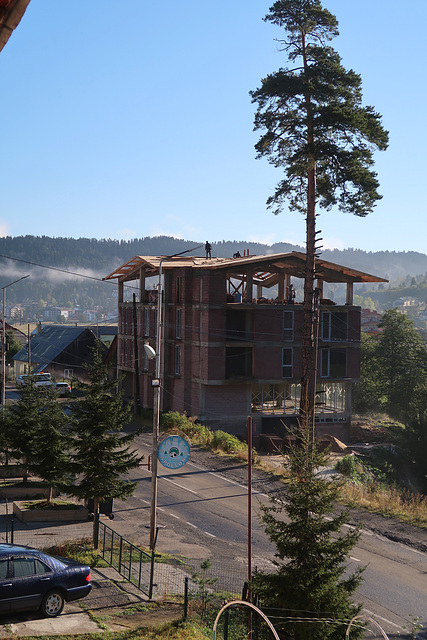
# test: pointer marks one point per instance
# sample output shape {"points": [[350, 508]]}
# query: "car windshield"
{"points": [[43, 377]]}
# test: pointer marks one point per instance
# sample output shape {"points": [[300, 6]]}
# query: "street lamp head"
{"points": [[149, 351]]}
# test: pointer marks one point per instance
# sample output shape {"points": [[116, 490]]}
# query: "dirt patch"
{"points": [[153, 616]]}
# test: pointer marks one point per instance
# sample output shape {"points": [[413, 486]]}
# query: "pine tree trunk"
{"points": [[308, 339]]}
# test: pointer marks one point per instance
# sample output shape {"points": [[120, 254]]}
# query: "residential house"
{"points": [[61, 350], [370, 321], [231, 339]]}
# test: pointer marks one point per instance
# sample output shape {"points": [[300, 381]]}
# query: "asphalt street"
{"points": [[204, 512]]}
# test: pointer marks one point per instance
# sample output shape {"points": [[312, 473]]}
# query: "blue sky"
{"points": [[133, 118]]}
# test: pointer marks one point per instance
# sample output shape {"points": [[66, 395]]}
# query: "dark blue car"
{"points": [[31, 580]]}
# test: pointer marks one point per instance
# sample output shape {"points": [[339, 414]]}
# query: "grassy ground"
{"points": [[168, 631]]}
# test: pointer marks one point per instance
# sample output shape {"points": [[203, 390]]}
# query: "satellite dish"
{"points": [[149, 352]]}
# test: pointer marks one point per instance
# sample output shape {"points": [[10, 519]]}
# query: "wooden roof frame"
{"points": [[265, 269], [11, 12]]}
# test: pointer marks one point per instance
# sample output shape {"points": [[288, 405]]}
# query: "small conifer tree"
{"points": [[309, 586], [26, 420], [40, 435], [52, 442], [102, 454]]}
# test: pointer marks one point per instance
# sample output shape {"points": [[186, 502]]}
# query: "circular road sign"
{"points": [[174, 452]]}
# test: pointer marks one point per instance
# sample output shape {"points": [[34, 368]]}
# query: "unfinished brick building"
{"points": [[231, 339]]}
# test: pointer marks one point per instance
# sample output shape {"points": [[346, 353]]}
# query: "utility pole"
{"points": [[3, 340]]}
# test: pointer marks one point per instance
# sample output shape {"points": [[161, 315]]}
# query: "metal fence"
{"points": [[133, 563], [160, 577]]}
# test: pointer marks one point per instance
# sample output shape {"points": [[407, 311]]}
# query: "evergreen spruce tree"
{"points": [[5, 435], [52, 442], [316, 129], [311, 551], [26, 419], [102, 453], [40, 436]]}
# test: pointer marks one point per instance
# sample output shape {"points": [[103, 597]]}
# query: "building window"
{"points": [[178, 289], [146, 321], [177, 359], [334, 326], [333, 363], [178, 324], [238, 362], [68, 373], [287, 361], [288, 326]]}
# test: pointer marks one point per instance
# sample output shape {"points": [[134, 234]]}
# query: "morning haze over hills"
{"points": [[94, 259]]}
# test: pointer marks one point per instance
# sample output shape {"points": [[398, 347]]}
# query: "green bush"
{"points": [[351, 468], [227, 442], [200, 434]]}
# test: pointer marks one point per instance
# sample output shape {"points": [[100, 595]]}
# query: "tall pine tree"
{"points": [[315, 129]]}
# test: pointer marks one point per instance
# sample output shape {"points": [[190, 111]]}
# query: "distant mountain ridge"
{"points": [[102, 255], [97, 258]]}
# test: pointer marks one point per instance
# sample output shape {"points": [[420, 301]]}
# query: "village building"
{"points": [[231, 339], [63, 351]]}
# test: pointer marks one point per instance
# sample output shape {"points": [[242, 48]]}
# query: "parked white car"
{"points": [[20, 380], [43, 380]]}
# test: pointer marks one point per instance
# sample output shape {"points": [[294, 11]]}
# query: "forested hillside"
{"points": [[96, 258]]}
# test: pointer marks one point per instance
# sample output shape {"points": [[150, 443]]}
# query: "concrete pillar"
{"points": [[249, 285], [281, 288], [142, 284], [287, 282]]}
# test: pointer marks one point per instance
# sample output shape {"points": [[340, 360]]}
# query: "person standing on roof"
{"points": [[208, 249]]}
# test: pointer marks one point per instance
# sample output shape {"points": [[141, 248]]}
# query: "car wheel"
{"points": [[52, 604]]}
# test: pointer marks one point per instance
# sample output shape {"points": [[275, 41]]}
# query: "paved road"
{"points": [[205, 515]]}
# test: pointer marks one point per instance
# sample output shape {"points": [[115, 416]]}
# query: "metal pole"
{"points": [[3, 350], [316, 356], [249, 522], [157, 385], [185, 598], [151, 585], [156, 413], [3, 340], [249, 505]]}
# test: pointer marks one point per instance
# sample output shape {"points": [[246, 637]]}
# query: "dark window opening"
{"points": [[288, 326], [238, 362], [287, 360], [334, 325], [238, 326], [178, 289], [334, 363], [178, 324]]}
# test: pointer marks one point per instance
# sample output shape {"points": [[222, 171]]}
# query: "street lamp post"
{"points": [[3, 340], [156, 412], [157, 385]]}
